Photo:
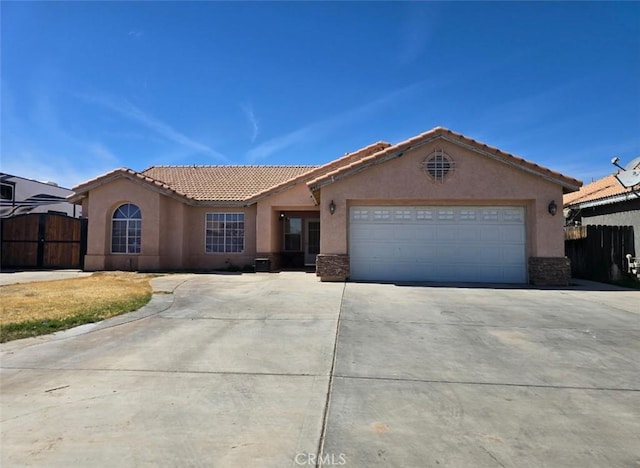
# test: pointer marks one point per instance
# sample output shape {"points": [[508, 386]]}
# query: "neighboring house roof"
{"points": [[568, 183], [599, 192]]}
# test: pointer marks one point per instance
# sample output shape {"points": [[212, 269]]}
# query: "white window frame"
{"points": [[227, 238], [127, 227]]}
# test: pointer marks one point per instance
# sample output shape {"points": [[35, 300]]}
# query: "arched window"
{"points": [[126, 229]]}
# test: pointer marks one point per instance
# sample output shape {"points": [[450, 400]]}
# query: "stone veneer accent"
{"points": [[332, 267], [549, 271]]}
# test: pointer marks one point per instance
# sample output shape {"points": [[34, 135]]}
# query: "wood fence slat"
{"points": [[43, 240], [599, 252]]}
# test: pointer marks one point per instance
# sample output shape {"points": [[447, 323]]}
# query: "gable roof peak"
{"points": [[345, 170]]}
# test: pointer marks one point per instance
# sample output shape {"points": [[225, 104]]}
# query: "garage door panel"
{"points": [[480, 244], [445, 233], [511, 253], [383, 233], [489, 234], [407, 235], [514, 233], [516, 272], [424, 234], [360, 250], [463, 253], [514, 215], [466, 234]]}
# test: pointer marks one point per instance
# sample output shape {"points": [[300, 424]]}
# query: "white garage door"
{"points": [[437, 243]]}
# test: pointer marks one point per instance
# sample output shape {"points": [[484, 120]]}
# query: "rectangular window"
{"points": [[126, 236], [293, 235], [6, 192], [224, 232]]}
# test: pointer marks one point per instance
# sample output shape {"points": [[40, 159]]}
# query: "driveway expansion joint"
{"points": [[327, 406], [488, 325], [490, 384], [165, 371], [259, 319]]}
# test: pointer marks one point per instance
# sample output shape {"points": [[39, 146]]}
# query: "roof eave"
{"points": [[134, 177], [75, 198], [323, 181], [329, 179], [221, 203], [566, 183], [282, 187], [308, 175]]}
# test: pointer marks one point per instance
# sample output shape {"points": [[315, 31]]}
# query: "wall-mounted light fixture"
{"points": [[282, 215], [553, 208], [332, 207]]}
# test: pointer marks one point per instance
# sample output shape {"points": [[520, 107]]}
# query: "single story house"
{"points": [[437, 207], [605, 202]]}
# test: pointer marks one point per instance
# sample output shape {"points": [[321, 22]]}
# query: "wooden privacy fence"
{"points": [[43, 240], [598, 252]]}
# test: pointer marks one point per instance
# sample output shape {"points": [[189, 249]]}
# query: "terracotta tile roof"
{"points": [[347, 169], [224, 183], [80, 190], [247, 184], [346, 159], [597, 190]]}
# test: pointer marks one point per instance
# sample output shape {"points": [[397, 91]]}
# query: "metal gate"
{"points": [[43, 240]]}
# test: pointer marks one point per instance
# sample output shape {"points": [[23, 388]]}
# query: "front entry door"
{"points": [[312, 241]]}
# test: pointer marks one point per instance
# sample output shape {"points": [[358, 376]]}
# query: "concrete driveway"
{"points": [[29, 276], [265, 370]]}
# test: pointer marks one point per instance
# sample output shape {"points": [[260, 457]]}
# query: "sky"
{"points": [[88, 87]]}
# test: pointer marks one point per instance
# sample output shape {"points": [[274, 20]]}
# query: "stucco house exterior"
{"points": [[436, 207]]}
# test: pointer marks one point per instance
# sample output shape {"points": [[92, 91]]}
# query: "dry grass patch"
{"points": [[31, 309]]}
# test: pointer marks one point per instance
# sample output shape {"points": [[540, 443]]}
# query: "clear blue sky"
{"points": [[91, 86]]}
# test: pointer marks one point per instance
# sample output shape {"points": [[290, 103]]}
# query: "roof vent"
{"points": [[438, 165]]}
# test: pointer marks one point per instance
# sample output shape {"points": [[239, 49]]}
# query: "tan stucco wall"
{"points": [[172, 230], [194, 239], [172, 233], [102, 202], [297, 198], [478, 180]]}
